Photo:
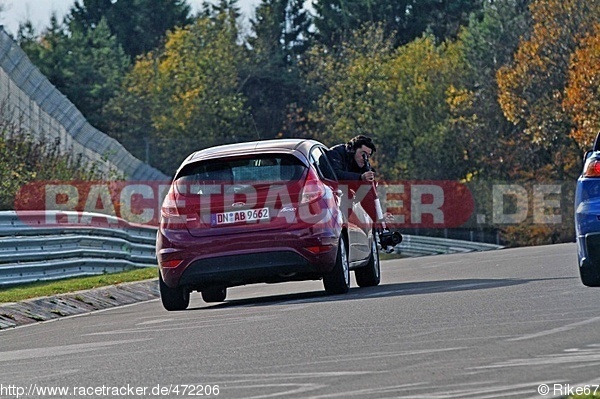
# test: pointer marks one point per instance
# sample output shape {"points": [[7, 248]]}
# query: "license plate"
{"points": [[248, 215]]}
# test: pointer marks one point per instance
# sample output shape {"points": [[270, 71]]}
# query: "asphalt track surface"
{"points": [[501, 324]]}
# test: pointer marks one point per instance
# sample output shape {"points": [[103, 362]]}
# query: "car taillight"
{"points": [[319, 249], [171, 263], [172, 211], [313, 189], [592, 168]]}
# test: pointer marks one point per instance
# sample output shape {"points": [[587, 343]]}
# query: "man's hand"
{"points": [[368, 176], [388, 217]]}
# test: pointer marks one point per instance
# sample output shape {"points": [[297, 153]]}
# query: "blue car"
{"points": [[587, 217]]}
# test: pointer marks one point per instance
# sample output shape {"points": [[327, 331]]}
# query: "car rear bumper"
{"points": [[267, 267], [589, 250], [264, 257]]}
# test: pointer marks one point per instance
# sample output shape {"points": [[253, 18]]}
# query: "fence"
{"points": [[31, 251], [413, 246], [31, 102]]}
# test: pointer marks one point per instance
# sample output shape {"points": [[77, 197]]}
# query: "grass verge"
{"points": [[47, 288], [393, 255]]}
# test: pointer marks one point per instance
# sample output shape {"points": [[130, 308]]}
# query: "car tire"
{"points": [[590, 274], [173, 299], [214, 294], [337, 281], [370, 275]]}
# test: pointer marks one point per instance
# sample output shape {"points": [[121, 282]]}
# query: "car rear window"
{"points": [[260, 169]]}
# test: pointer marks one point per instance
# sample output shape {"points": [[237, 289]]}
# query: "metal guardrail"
{"points": [[413, 246], [32, 250]]}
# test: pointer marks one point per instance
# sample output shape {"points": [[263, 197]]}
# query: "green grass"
{"points": [[393, 255], [34, 290], [591, 396]]}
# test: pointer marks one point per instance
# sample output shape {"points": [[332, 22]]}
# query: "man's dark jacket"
{"points": [[347, 170], [344, 165]]}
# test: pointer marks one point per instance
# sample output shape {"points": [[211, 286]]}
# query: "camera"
{"points": [[365, 158], [389, 239]]}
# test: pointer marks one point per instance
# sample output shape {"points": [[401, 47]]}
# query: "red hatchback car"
{"points": [[261, 212]]}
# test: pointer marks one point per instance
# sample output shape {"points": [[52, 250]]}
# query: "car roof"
{"points": [[287, 146]]}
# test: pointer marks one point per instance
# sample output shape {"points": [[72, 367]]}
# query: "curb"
{"points": [[54, 307]]}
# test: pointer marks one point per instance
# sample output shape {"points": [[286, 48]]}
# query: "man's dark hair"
{"points": [[358, 141]]}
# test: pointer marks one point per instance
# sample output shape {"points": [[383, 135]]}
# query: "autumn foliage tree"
{"points": [[482, 130], [535, 96], [533, 88], [582, 97], [185, 95], [399, 97], [350, 78]]}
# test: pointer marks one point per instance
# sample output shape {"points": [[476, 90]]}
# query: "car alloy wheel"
{"points": [[370, 274], [337, 281]]}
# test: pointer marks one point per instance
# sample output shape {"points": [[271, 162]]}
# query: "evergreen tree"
{"points": [[48, 51], [406, 19], [139, 25], [279, 38], [85, 65]]}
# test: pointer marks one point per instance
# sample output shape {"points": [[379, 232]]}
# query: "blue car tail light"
{"points": [[592, 168]]}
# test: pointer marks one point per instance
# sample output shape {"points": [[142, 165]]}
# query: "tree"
{"points": [[187, 92], [405, 19], [94, 68], [532, 92], [129, 114], [532, 88], [139, 25], [397, 97], [87, 66], [442, 18], [423, 75], [483, 131], [350, 82], [582, 99], [47, 51], [280, 31], [280, 34]]}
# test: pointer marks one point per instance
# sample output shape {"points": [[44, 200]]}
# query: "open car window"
{"points": [[319, 160]]}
